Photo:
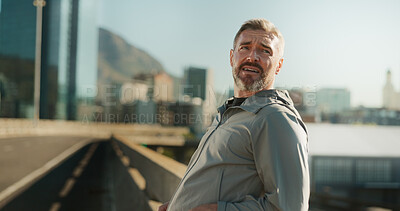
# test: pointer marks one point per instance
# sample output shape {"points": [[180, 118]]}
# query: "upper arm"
{"points": [[281, 158]]}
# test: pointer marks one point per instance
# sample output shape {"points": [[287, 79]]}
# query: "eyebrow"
{"points": [[262, 44], [245, 43], [266, 46]]}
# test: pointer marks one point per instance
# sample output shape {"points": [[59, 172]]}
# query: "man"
{"points": [[254, 156]]}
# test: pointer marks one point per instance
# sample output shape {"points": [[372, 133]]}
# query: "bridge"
{"points": [[61, 165]]}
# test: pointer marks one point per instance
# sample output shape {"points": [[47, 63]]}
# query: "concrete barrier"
{"points": [[89, 177], [157, 176], [145, 134], [161, 174]]}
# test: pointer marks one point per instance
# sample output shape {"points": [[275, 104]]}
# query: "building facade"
{"points": [[391, 98], [333, 100], [68, 61], [199, 87], [163, 88]]}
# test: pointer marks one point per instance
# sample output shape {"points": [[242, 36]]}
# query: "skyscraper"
{"points": [[198, 82], [67, 56], [333, 100], [391, 98], [17, 52], [199, 85]]}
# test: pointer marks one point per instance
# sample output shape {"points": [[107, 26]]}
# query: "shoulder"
{"points": [[280, 116], [275, 110]]}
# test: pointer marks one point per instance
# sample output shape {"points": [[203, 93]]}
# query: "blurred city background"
{"points": [[115, 75]]}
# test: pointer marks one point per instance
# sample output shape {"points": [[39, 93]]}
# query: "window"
{"points": [[373, 170], [333, 170]]}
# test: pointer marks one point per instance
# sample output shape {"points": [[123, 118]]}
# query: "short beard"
{"points": [[257, 84], [248, 84]]}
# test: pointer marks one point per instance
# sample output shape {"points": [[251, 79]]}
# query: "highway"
{"points": [[21, 156], [91, 178]]}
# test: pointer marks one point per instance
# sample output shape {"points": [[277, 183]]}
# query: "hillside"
{"points": [[119, 61]]}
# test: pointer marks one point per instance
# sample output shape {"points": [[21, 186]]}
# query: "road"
{"points": [[93, 178], [21, 156]]}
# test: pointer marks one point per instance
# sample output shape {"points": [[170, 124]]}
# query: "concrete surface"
{"points": [[93, 179], [153, 134], [21, 156], [161, 174]]}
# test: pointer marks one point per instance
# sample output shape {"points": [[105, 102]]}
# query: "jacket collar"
{"points": [[261, 99]]}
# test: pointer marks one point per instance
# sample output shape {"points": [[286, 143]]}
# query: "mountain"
{"points": [[119, 61]]}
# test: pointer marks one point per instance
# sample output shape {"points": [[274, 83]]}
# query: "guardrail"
{"points": [[332, 202], [159, 175], [143, 175], [146, 134]]}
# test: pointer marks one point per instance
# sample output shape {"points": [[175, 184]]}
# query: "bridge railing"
{"points": [[157, 176], [154, 134], [160, 174]]}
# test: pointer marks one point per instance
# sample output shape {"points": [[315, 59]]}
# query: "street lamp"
{"points": [[39, 4]]}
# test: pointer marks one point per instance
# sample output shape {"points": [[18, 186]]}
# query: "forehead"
{"points": [[255, 36]]}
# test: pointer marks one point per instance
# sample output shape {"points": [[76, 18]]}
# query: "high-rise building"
{"points": [[199, 85], [68, 61], [198, 82], [333, 100], [17, 52], [391, 98]]}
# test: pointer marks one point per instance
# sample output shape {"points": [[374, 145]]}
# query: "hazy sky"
{"points": [[340, 43]]}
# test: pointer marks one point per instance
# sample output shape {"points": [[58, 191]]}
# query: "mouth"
{"points": [[251, 69]]}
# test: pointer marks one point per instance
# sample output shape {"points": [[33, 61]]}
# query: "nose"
{"points": [[253, 56]]}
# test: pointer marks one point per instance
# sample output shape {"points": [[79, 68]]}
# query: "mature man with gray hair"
{"points": [[255, 154]]}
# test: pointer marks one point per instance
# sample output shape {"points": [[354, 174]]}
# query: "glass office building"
{"points": [[69, 57], [17, 52]]}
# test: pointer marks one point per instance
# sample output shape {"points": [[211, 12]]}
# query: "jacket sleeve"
{"points": [[281, 159]]}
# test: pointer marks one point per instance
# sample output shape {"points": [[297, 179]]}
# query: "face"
{"points": [[255, 60]]}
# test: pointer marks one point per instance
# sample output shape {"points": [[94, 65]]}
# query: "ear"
{"points": [[278, 68], [231, 57]]}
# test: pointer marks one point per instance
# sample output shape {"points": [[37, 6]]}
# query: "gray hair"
{"points": [[261, 24]]}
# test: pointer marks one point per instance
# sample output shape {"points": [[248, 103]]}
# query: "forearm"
{"points": [[269, 202], [249, 204]]}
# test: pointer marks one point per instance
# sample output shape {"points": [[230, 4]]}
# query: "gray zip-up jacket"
{"points": [[253, 157]]}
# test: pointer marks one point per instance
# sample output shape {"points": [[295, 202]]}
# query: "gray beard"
{"points": [[257, 85]]}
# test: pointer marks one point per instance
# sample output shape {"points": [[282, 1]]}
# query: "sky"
{"points": [[329, 44]]}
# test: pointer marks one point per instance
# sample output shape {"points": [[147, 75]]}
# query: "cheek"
{"points": [[266, 66], [235, 62], [269, 64]]}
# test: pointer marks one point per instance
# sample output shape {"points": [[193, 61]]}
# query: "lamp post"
{"points": [[39, 4]]}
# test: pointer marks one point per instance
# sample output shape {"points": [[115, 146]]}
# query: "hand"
{"points": [[163, 207], [206, 207]]}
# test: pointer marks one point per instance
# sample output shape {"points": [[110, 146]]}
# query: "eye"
{"points": [[266, 51], [244, 48]]}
